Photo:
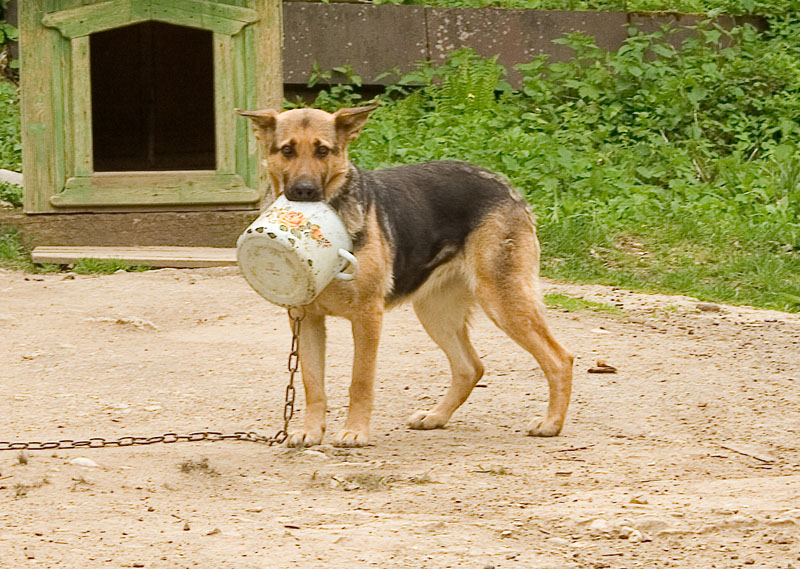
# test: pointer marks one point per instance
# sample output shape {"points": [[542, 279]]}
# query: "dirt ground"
{"points": [[688, 457]]}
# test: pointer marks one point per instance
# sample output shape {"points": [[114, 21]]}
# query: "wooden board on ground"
{"points": [[179, 257]]}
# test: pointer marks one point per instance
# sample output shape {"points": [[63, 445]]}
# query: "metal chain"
{"points": [[168, 438]]}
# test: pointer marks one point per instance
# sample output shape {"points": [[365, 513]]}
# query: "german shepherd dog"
{"points": [[446, 236]]}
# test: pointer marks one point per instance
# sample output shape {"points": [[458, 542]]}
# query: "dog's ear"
{"points": [[349, 122], [263, 122]]}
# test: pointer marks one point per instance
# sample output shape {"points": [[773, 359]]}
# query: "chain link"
{"points": [[169, 438]]}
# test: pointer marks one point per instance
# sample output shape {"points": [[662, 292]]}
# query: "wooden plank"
{"points": [[210, 9], [81, 116], [155, 188], [240, 99], [179, 257], [60, 103], [268, 70], [251, 101], [85, 20], [224, 93], [269, 60], [166, 12], [36, 59]]}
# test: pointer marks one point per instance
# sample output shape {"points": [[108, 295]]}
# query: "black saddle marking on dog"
{"points": [[427, 211]]}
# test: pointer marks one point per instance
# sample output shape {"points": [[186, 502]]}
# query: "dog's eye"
{"points": [[322, 151], [287, 150]]}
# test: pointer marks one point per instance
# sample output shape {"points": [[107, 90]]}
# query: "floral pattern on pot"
{"points": [[298, 225]]}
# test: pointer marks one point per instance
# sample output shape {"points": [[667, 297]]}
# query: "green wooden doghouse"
{"points": [[128, 105]]}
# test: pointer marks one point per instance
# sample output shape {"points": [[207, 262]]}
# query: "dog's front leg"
{"points": [[312, 362], [366, 336]]}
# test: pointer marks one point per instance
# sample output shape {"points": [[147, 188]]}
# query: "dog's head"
{"points": [[307, 149]]}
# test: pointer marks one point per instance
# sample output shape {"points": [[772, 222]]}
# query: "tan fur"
{"points": [[497, 270]]}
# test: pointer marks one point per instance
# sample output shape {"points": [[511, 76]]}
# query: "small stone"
{"points": [[558, 541], [506, 533], [749, 561], [598, 525], [489, 565], [186, 526], [783, 539], [625, 532], [214, 531], [635, 537], [433, 526], [708, 307], [83, 461], [640, 499], [314, 454], [651, 524], [11, 177]]}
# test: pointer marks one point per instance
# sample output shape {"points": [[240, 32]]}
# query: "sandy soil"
{"points": [[688, 457]]}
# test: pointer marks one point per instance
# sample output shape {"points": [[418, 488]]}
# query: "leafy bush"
{"points": [[10, 141], [654, 167], [10, 138]]}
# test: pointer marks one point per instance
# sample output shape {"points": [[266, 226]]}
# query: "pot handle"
{"points": [[351, 261]]}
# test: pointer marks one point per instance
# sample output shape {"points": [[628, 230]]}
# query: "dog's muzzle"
{"points": [[304, 191]]}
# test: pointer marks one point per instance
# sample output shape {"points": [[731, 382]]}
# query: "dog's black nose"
{"points": [[304, 191]]}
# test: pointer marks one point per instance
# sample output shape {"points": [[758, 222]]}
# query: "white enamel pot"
{"points": [[294, 250]]}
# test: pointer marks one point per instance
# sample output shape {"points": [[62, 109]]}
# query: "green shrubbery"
{"points": [[10, 141], [651, 167]]}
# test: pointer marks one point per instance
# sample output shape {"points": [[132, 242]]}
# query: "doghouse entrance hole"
{"points": [[152, 98]]}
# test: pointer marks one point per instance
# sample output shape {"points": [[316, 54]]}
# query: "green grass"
{"points": [[573, 304], [105, 267], [13, 255]]}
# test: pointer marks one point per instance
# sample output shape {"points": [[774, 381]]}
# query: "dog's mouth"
{"points": [[304, 191]]}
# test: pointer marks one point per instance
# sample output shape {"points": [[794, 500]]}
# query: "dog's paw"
{"points": [[351, 438], [426, 420], [305, 438], [543, 429]]}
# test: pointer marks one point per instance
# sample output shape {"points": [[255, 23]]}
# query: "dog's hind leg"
{"points": [[444, 313], [505, 259], [523, 320], [312, 361]]}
